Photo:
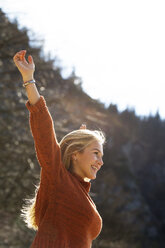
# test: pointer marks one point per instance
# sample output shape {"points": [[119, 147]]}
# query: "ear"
{"points": [[74, 157], [83, 126]]}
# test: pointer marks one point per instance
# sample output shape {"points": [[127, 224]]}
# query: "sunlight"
{"points": [[116, 47]]}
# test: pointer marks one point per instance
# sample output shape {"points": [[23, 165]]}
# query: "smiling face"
{"points": [[87, 163]]}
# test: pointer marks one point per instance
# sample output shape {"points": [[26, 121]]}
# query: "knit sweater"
{"points": [[65, 214]]}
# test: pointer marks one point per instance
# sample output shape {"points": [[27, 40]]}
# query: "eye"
{"points": [[96, 153]]}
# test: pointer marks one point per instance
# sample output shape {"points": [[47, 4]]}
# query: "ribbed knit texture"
{"points": [[65, 213]]}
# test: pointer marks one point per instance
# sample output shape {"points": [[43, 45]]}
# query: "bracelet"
{"points": [[29, 82]]}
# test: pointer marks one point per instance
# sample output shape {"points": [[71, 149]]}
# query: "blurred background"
{"points": [[100, 63], [116, 47]]}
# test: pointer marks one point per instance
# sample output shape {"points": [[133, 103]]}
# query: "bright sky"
{"points": [[117, 47]]}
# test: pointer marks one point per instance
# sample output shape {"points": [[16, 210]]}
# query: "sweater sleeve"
{"points": [[46, 145]]}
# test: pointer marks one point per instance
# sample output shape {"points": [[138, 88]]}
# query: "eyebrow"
{"points": [[98, 150]]}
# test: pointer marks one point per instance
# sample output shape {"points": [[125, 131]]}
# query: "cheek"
{"points": [[89, 159], [93, 157]]}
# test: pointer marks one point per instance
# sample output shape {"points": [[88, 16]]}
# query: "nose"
{"points": [[100, 161]]}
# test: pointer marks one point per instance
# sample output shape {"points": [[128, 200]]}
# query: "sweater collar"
{"points": [[86, 185]]}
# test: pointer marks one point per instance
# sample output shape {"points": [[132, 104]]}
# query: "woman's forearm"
{"points": [[32, 93], [27, 69]]}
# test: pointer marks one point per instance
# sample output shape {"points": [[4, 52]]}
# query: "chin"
{"points": [[89, 177], [92, 177]]}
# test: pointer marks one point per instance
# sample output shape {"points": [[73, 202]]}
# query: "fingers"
{"points": [[25, 67], [19, 56], [23, 56], [30, 59]]}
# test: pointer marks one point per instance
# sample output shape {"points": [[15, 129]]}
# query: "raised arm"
{"points": [[27, 71], [41, 123]]}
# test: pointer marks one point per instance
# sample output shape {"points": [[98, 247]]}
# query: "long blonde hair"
{"points": [[75, 141]]}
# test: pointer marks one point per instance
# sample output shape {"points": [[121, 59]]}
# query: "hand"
{"points": [[83, 126], [26, 68]]}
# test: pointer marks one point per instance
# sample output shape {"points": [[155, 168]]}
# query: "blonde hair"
{"points": [[75, 141]]}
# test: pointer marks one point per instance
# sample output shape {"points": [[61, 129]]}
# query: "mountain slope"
{"points": [[122, 189]]}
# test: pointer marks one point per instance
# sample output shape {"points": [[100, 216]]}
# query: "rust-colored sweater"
{"points": [[65, 214]]}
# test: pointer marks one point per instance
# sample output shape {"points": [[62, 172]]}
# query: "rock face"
{"points": [[129, 190]]}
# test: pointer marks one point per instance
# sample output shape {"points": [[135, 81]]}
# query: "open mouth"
{"points": [[94, 168]]}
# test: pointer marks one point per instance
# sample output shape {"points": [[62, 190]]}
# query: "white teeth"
{"points": [[94, 167]]}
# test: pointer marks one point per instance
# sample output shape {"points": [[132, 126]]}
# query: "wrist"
{"points": [[29, 82], [28, 78]]}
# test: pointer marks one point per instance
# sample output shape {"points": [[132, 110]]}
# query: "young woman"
{"points": [[62, 212]]}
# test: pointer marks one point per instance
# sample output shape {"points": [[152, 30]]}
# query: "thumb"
{"points": [[30, 59]]}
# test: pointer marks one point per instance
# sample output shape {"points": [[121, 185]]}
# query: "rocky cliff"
{"points": [[129, 190]]}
